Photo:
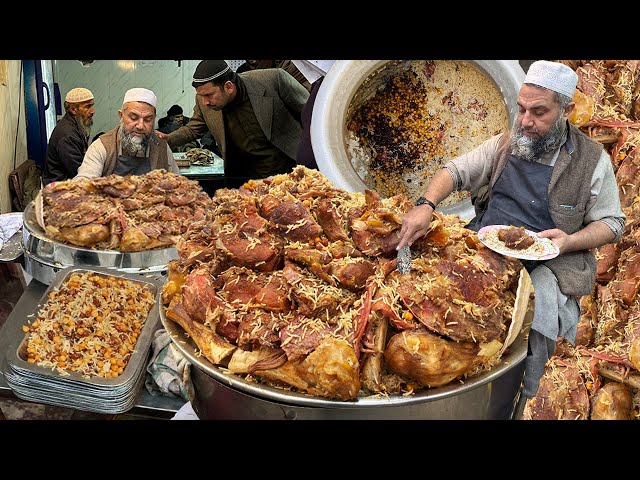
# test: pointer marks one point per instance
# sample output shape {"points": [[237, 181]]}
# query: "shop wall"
{"points": [[13, 136]]}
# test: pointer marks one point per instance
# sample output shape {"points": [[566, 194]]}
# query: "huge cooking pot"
{"points": [[349, 82], [489, 395]]}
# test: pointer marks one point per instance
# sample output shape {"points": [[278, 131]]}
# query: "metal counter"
{"points": [[154, 405]]}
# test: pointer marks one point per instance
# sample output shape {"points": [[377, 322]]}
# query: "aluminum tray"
{"points": [[39, 248], [137, 361]]}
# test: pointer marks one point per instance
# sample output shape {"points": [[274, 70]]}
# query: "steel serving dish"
{"points": [[349, 81], [16, 346], [45, 257], [222, 395]]}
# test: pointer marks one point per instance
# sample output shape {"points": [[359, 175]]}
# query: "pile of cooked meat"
{"points": [[129, 214], [293, 282]]}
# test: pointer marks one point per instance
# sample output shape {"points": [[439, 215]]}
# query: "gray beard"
{"points": [[131, 145], [85, 126], [531, 149]]}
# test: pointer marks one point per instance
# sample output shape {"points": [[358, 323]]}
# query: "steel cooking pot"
{"points": [[489, 395], [349, 82]]}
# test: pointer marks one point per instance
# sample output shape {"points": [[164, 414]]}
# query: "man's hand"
{"points": [[415, 224], [161, 135], [592, 236], [557, 236]]}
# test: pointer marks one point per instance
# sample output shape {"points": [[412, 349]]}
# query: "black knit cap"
{"points": [[175, 110], [208, 70]]}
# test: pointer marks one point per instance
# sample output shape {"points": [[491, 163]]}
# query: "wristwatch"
{"points": [[423, 201]]}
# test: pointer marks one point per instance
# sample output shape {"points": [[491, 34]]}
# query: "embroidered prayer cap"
{"points": [[208, 70], [77, 95], [555, 76], [140, 95]]}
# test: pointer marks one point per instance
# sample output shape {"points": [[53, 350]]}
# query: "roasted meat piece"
{"points": [[465, 300], [429, 359], [515, 238], [293, 221], [244, 238], [561, 395], [614, 401], [626, 282], [331, 370]]}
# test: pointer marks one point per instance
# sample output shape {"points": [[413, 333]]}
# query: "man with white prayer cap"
{"points": [[132, 147], [253, 116], [69, 139], [548, 177]]}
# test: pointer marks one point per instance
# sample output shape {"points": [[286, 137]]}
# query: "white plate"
{"points": [[549, 249]]}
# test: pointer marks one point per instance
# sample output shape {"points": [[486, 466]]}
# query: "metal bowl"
{"points": [[45, 257], [222, 395], [348, 82]]}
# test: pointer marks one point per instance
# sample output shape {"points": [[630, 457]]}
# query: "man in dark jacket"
{"points": [[254, 118], [70, 137], [174, 120]]}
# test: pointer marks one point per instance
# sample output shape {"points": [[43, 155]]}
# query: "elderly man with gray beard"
{"points": [[70, 138], [548, 177], [131, 148]]}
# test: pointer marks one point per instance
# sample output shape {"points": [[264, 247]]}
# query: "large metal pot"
{"points": [[348, 82], [489, 395]]}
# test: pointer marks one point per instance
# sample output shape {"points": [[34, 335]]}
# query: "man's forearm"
{"points": [[593, 235], [440, 186]]}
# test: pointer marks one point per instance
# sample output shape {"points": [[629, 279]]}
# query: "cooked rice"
{"points": [[539, 248]]}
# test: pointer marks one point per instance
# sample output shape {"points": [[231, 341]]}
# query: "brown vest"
{"points": [[570, 185], [158, 157]]}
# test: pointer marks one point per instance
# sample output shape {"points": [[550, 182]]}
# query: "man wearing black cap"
{"points": [[254, 118], [173, 121]]}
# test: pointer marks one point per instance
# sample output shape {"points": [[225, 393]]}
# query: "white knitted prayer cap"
{"points": [[555, 76], [77, 95], [141, 95]]}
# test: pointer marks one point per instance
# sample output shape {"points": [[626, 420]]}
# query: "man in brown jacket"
{"points": [[254, 118], [550, 178]]}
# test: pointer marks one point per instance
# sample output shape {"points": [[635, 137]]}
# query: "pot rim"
{"points": [[340, 86], [515, 354]]}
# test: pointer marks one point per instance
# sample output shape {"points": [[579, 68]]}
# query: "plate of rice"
{"points": [[517, 242]]}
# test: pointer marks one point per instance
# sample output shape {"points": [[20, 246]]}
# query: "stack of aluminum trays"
{"points": [[39, 384]]}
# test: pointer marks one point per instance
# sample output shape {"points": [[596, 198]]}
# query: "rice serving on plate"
{"points": [[538, 249]]}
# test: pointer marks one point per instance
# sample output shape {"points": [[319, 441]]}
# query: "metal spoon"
{"points": [[404, 260]]}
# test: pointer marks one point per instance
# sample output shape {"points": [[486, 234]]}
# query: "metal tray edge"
{"points": [[137, 359]]}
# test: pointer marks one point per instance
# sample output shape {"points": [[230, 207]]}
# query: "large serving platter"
{"points": [[45, 257]]}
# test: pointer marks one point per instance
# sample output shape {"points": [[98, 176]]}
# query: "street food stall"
{"points": [[285, 295]]}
